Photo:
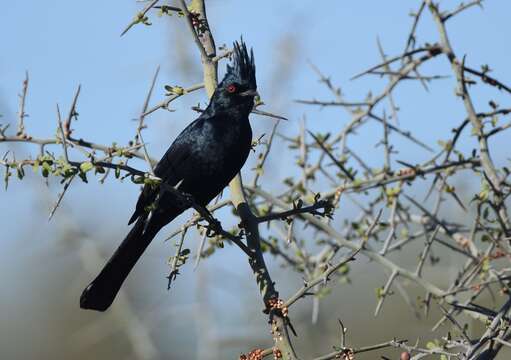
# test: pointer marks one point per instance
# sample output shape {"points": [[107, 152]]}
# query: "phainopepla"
{"points": [[203, 159]]}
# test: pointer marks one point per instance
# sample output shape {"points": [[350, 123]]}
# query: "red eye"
{"points": [[231, 88]]}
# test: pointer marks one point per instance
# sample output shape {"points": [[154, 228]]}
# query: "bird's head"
{"points": [[238, 87]]}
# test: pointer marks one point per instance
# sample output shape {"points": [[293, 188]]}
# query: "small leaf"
{"points": [[431, 345], [344, 269], [100, 170], [46, 169], [137, 179], [35, 166], [322, 292], [20, 172], [379, 292], [174, 90], [86, 166]]}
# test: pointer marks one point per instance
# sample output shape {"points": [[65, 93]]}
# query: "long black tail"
{"points": [[101, 292]]}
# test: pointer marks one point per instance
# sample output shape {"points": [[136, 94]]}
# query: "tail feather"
{"points": [[101, 292]]}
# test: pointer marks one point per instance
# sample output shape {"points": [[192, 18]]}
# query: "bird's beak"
{"points": [[250, 92]]}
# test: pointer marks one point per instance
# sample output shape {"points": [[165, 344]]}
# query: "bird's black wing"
{"points": [[173, 166]]}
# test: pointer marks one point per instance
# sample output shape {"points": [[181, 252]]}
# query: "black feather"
{"points": [[243, 69], [204, 158]]}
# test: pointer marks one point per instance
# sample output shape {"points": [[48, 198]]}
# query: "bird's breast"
{"points": [[223, 148]]}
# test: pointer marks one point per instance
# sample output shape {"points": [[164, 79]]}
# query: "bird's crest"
{"points": [[243, 66]]}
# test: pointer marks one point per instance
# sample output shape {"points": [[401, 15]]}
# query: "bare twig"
{"points": [[21, 110]]}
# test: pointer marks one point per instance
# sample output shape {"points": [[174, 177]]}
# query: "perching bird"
{"points": [[203, 159]]}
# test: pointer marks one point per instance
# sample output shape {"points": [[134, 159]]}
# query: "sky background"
{"points": [[62, 44]]}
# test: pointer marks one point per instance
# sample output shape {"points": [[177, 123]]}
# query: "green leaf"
{"points": [[357, 183], [35, 166], [259, 171], [431, 345], [20, 172], [322, 292], [6, 177], [137, 179], [86, 166], [83, 176], [46, 168], [344, 269], [176, 90], [379, 292], [485, 265], [100, 170]]}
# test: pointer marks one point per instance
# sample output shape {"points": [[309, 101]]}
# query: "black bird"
{"points": [[202, 160]]}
